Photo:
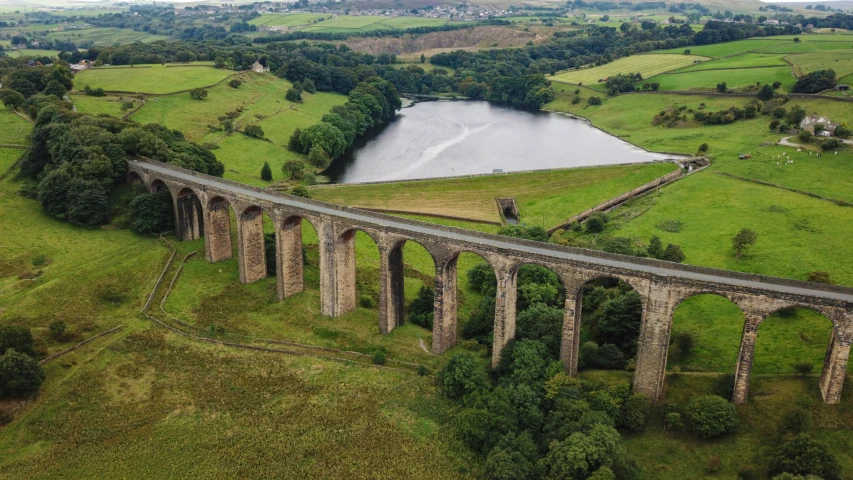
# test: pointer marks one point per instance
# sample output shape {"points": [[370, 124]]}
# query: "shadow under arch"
{"points": [[471, 295], [606, 310], [189, 215], [706, 333], [158, 185]]}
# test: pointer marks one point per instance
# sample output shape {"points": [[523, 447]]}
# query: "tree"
{"points": [[11, 98], [254, 131], [327, 136], [293, 143], [300, 191], [152, 212], [655, 247], [815, 82], [655, 86], [594, 100], [795, 116], [57, 329], [610, 357], [703, 148], [711, 416], [743, 240], [318, 157], [293, 95], [673, 253], [420, 310], [830, 144], [423, 58], [16, 338], [805, 456], [266, 172], [582, 454], [721, 87], [765, 93], [596, 222], [633, 413], [235, 83], [293, 169], [198, 94], [308, 86], [462, 375], [20, 375]]}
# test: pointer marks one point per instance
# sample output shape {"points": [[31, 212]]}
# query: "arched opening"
{"points": [[291, 254], [133, 178], [467, 293], [608, 316], [410, 280], [190, 220], [252, 244], [705, 337], [158, 186], [792, 341], [356, 276], [219, 244]]}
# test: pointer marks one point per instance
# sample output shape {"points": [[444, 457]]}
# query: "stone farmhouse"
{"points": [[811, 121]]}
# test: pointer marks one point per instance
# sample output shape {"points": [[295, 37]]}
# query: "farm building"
{"points": [[826, 129]]}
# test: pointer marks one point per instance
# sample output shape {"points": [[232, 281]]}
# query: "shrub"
{"points": [[462, 375], [711, 416], [422, 371], [378, 357], [610, 357], [703, 148], [152, 212], [587, 355], [684, 341], [366, 301], [594, 100], [57, 329], [830, 144], [805, 456], [673, 421], [420, 310], [633, 413], [235, 83], [18, 338], [795, 422], [308, 86], [713, 465], [293, 95], [318, 157], [254, 131], [300, 191], [721, 87], [803, 368], [819, 277], [673, 253], [596, 222], [765, 93], [20, 375]]}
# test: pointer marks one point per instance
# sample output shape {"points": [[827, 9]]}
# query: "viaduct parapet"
{"points": [[203, 206]]}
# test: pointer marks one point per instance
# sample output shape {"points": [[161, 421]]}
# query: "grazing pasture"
{"points": [[288, 20], [647, 65], [841, 61], [744, 60], [718, 50], [364, 23], [109, 105], [155, 79], [806, 47], [736, 78], [13, 129], [105, 36]]}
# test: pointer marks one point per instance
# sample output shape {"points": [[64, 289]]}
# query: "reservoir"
{"points": [[447, 139]]}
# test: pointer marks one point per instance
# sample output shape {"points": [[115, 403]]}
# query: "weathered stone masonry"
{"points": [[202, 206]]}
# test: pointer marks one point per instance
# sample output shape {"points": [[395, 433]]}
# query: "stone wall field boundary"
{"points": [[84, 342], [841, 203], [620, 199]]}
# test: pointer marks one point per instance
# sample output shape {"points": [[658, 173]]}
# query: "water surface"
{"points": [[445, 139]]}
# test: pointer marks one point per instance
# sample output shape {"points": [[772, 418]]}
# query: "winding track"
{"points": [[510, 245]]}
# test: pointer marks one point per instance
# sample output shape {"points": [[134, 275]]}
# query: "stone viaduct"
{"points": [[202, 208]]}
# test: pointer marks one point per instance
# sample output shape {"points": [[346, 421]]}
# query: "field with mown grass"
{"points": [[548, 197], [28, 52], [734, 78], [841, 61], [156, 79], [288, 20], [743, 60], [726, 49], [646, 65], [13, 129], [105, 36]]}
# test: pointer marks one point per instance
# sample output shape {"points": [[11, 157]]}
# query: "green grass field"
{"points": [[106, 36], [806, 47], [647, 65], [110, 105], [729, 48], [28, 52], [288, 20], [548, 197], [736, 78], [738, 61], [13, 129], [155, 79], [840, 61], [364, 23]]}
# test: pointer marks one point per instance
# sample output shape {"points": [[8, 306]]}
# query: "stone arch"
{"points": [[715, 321], [134, 178], [345, 285], [392, 282], [158, 185], [218, 243], [290, 262], [447, 293], [570, 342], [189, 215]]}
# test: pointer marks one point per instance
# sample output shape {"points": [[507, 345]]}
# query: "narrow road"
{"points": [[506, 244], [786, 143]]}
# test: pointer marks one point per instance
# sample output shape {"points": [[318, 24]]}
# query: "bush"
{"points": [[819, 277], [18, 338], [803, 368], [266, 172], [594, 100], [20, 375], [235, 83], [300, 191], [830, 144], [462, 375], [711, 416], [805, 456], [198, 94], [610, 357], [378, 357], [318, 157], [366, 301], [633, 413], [713, 465], [673, 421], [795, 422], [308, 86], [765, 93], [721, 87], [152, 212], [254, 131], [57, 329], [684, 341], [587, 355], [596, 222], [703, 148], [673, 253], [420, 310], [293, 95]]}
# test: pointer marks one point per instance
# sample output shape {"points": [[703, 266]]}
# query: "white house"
{"points": [[811, 121]]}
